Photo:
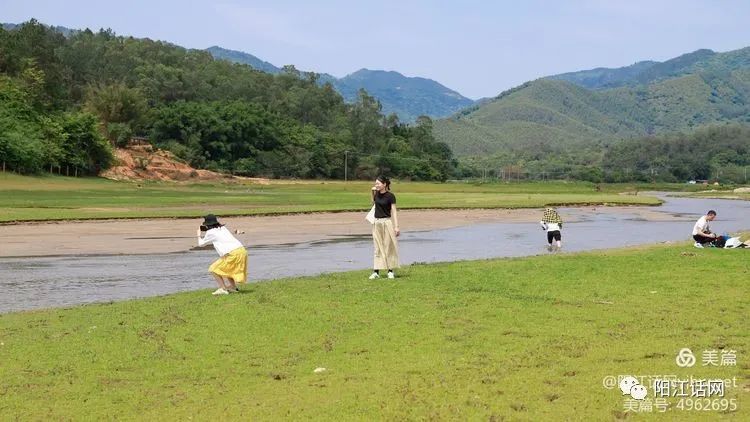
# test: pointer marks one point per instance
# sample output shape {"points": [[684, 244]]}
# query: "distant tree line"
{"points": [[716, 153], [69, 101]]}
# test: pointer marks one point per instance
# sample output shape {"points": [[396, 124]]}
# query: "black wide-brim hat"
{"points": [[210, 220]]}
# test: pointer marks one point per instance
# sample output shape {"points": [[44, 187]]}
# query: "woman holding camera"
{"points": [[231, 267], [385, 229]]}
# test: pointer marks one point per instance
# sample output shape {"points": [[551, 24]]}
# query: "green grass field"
{"points": [[26, 198], [508, 339]]}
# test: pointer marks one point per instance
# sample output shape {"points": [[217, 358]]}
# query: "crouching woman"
{"points": [[231, 267]]}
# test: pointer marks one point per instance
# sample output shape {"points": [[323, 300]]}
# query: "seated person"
{"points": [[702, 233]]}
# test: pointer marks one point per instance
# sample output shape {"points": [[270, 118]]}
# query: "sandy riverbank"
{"points": [[113, 237]]}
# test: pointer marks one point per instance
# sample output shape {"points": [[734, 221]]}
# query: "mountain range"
{"points": [[408, 97], [562, 111], [600, 105], [647, 72]]}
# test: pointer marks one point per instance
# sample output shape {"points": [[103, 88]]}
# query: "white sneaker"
{"points": [[373, 276], [391, 275], [698, 245], [220, 291]]}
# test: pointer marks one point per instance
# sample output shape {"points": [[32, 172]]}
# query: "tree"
{"points": [[120, 109], [84, 148]]}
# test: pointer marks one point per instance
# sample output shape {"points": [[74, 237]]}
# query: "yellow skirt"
{"points": [[232, 265]]}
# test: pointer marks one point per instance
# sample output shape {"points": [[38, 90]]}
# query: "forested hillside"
{"points": [[554, 126], [407, 97], [647, 72], [711, 153], [68, 101]]}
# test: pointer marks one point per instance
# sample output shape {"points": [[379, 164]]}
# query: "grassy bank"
{"points": [[518, 339], [58, 198], [723, 195]]}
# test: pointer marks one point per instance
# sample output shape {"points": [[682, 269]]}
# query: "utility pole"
{"points": [[346, 166]]}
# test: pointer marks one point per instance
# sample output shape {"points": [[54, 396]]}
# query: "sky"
{"points": [[478, 48]]}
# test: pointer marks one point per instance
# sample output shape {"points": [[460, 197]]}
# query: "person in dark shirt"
{"points": [[385, 229]]}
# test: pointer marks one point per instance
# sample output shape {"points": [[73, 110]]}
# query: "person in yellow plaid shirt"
{"points": [[552, 224]]}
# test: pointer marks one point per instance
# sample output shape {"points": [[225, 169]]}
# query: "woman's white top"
{"points": [[222, 240]]}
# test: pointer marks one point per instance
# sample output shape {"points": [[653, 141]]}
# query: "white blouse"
{"points": [[222, 240]]}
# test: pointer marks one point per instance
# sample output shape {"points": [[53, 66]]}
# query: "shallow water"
{"points": [[31, 283]]}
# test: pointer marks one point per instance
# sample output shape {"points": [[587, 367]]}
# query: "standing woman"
{"points": [[385, 228], [231, 267]]}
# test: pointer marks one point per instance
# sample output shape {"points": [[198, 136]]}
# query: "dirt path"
{"points": [[174, 235]]}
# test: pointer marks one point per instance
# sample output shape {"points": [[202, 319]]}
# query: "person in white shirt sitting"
{"points": [[552, 224], [231, 267], [702, 232]]}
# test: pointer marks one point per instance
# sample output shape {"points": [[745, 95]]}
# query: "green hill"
{"points": [[408, 97], [65, 102], [555, 115], [647, 72], [66, 32], [603, 77], [243, 58]]}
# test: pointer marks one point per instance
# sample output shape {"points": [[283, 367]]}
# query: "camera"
{"points": [[204, 228]]}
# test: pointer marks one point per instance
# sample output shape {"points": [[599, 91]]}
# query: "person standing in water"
{"points": [[552, 224], [385, 229], [231, 267]]}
